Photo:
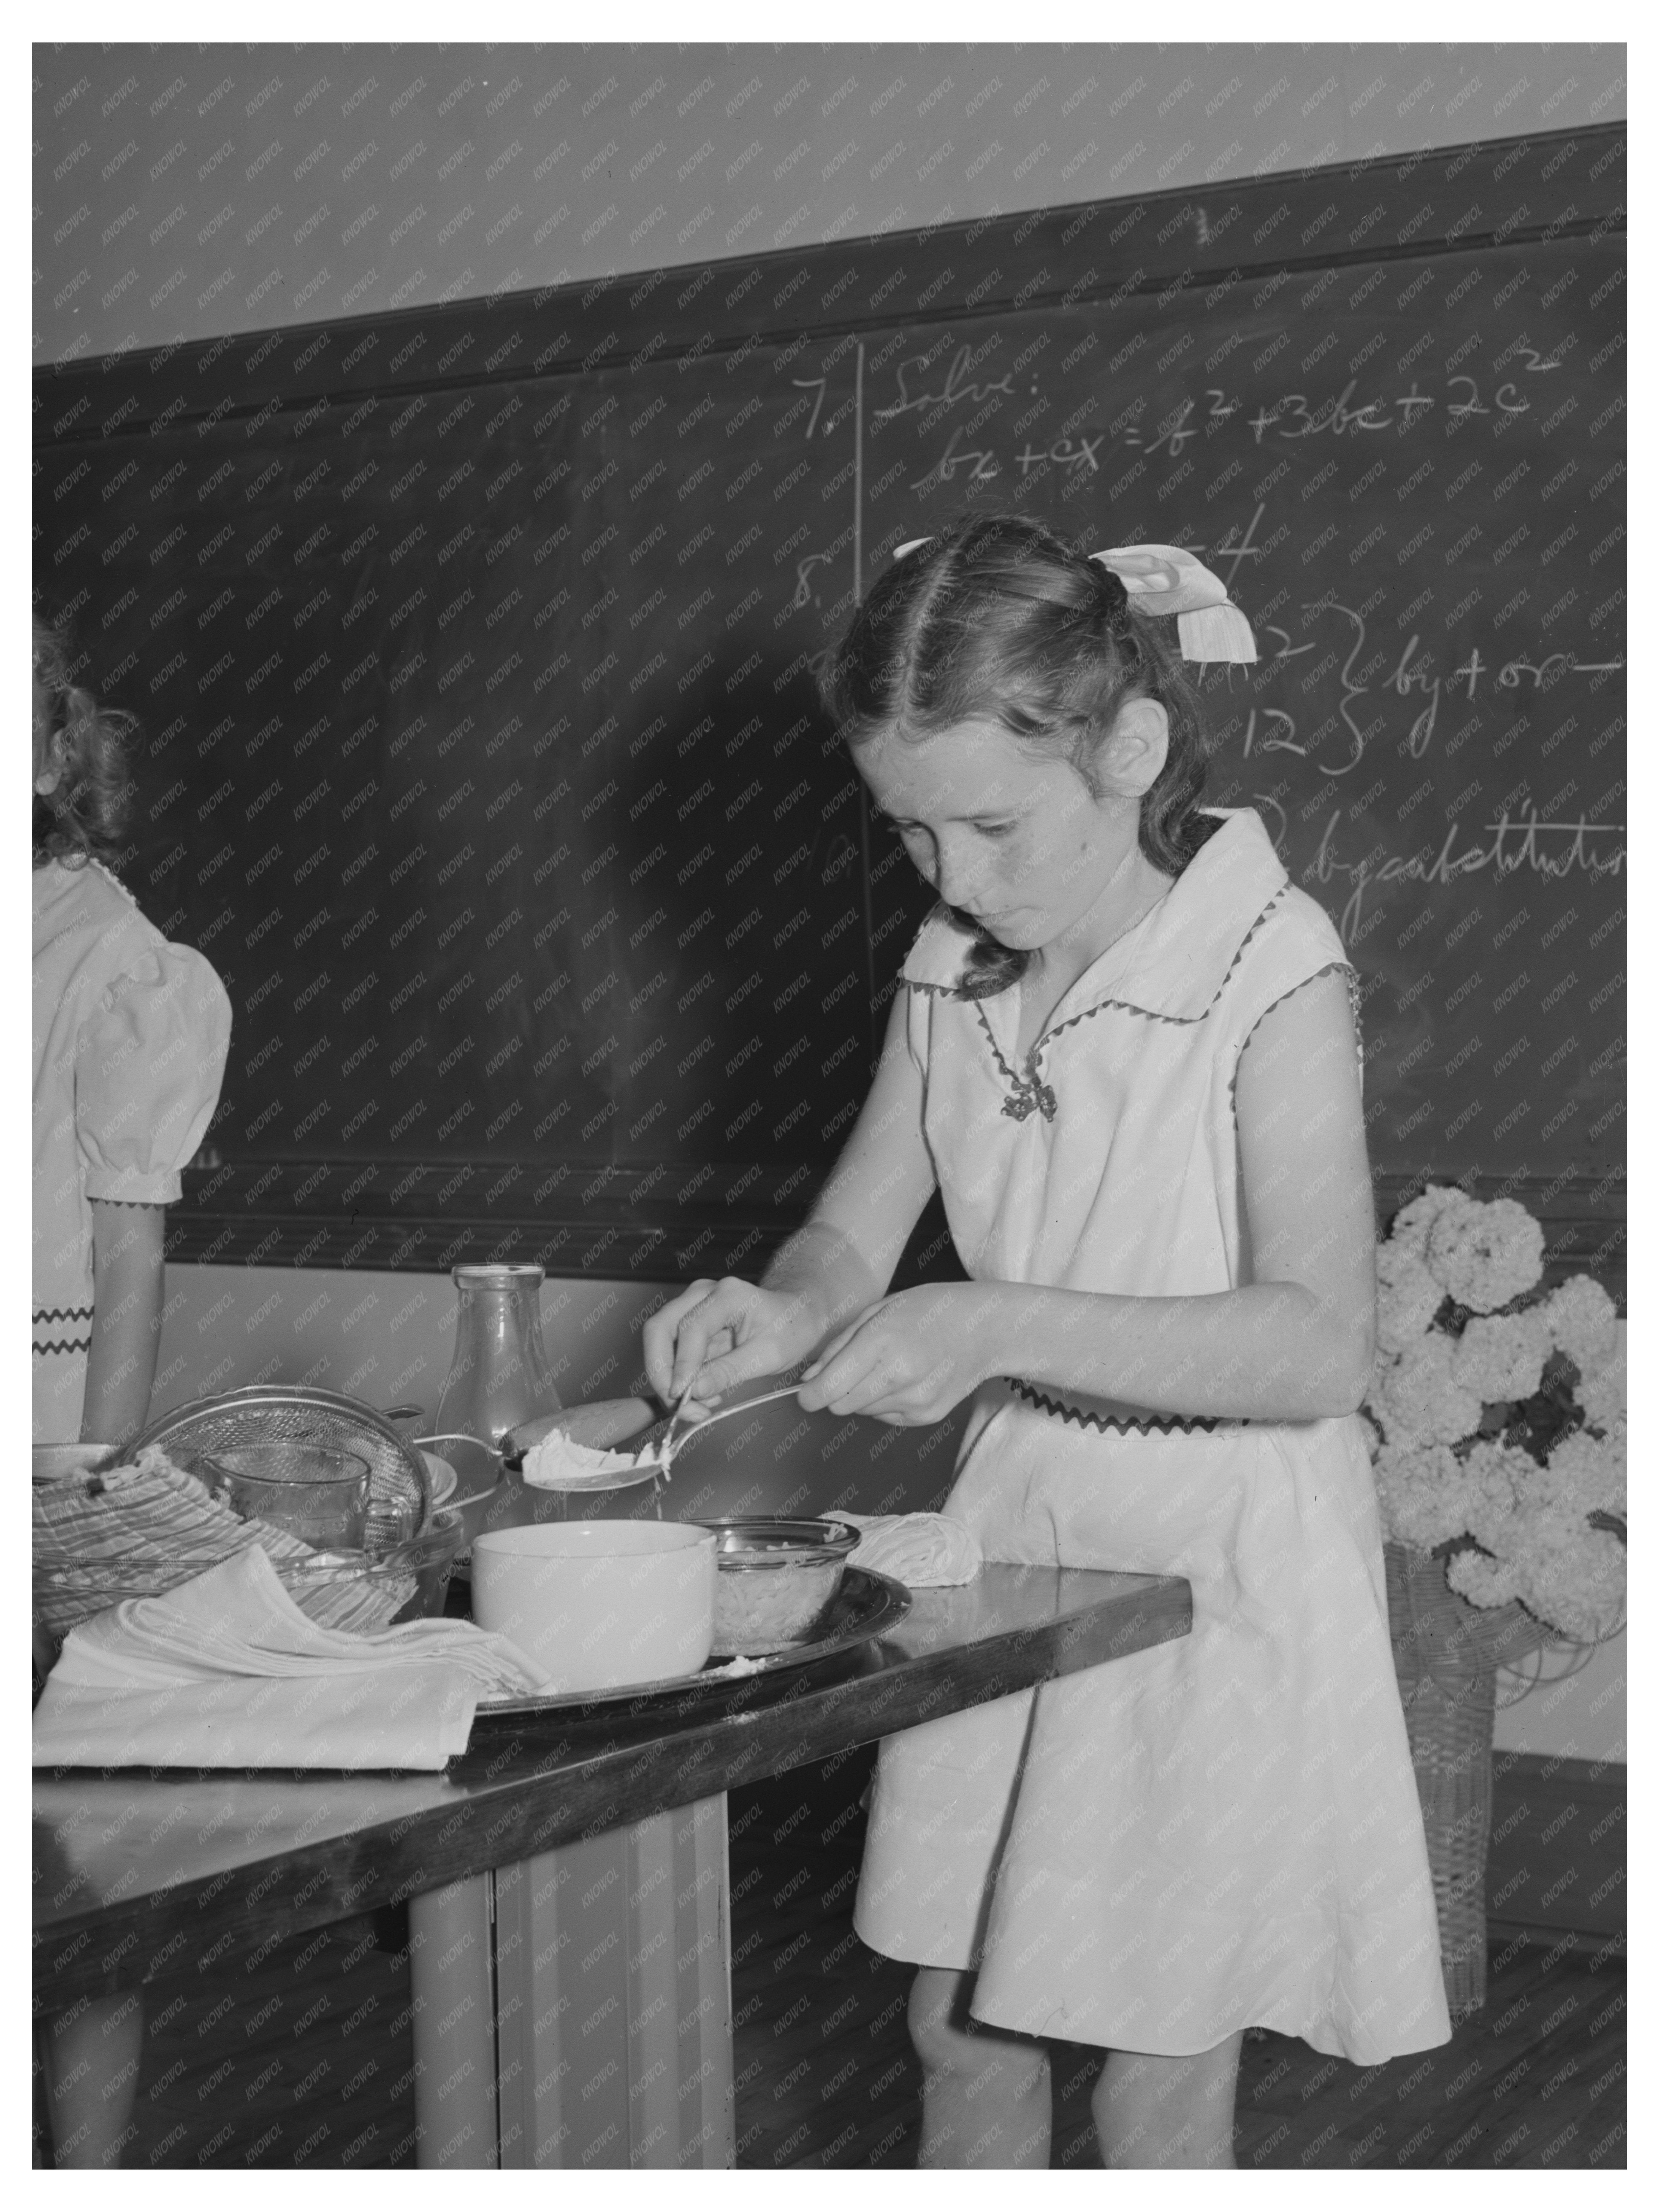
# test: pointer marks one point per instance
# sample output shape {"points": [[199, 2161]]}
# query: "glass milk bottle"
{"points": [[498, 1379]]}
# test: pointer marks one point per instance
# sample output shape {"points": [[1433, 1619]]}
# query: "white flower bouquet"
{"points": [[1496, 1415]]}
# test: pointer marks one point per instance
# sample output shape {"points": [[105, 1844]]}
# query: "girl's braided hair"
{"points": [[1000, 619], [81, 819]]}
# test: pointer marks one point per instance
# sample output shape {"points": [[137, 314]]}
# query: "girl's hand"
{"points": [[717, 1334], [907, 1359]]}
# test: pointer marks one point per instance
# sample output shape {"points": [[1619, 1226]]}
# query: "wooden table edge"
{"points": [[111, 1946]]}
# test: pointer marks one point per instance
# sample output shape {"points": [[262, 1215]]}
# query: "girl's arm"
{"points": [[718, 1334], [126, 1320], [1296, 1344]]}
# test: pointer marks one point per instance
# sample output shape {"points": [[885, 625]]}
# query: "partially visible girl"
{"points": [[129, 1035]]}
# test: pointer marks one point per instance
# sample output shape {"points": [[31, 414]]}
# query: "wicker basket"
{"points": [[1446, 1654]]}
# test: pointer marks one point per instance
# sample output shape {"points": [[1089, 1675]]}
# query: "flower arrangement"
{"points": [[1496, 1416]]}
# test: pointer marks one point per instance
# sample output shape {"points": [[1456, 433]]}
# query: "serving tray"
{"points": [[867, 1606]]}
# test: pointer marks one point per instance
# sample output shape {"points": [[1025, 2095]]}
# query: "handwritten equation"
{"points": [[1413, 677], [1086, 450]]}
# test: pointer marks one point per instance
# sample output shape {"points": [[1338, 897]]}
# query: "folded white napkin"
{"points": [[227, 1671], [922, 1550]]}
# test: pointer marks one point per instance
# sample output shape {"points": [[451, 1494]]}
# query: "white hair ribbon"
{"points": [[1165, 580]]}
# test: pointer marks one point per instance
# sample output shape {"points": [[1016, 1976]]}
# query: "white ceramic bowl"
{"points": [[599, 1605], [60, 1462]]}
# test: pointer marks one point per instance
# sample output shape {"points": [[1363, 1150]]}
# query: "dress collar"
{"points": [[1173, 964], [50, 883], [70, 897]]}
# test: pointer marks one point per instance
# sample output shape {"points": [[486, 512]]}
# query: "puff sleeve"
{"points": [[148, 1065]]}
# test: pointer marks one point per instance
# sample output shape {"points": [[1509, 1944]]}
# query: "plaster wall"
{"points": [[186, 192]]}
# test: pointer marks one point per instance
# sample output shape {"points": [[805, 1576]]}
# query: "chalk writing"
{"points": [[1503, 848]]}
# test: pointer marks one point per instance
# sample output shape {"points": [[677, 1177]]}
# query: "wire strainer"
{"points": [[399, 1487]]}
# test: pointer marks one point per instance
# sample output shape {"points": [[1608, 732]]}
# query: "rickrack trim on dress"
{"points": [[1148, 1013], [1031, 1093], [1344, 967], [1131, 1425], [42, 1316]]}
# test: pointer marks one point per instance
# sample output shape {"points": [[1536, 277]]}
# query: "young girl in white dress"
{"points": [[130, 1038], [1124, 1049]]}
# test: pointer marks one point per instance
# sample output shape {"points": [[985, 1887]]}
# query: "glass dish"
{"points": [[774, 1582], [316, 1494], [360, 1591]]}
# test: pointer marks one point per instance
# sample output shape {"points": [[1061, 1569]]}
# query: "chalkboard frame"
{"points": [[410, 1215]]}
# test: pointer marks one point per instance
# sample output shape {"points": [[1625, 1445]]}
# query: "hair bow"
{"points": [[1164, 580]]}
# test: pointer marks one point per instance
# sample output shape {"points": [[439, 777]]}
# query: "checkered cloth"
{"points": [[135, 1531]]}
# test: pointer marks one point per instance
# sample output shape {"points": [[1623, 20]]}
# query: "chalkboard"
{"points": [[474, 652]]}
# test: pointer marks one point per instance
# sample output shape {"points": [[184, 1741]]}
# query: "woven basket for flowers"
{"points": [[1446, 1654]]}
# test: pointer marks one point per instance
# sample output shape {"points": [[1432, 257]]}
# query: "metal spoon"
{"points": [[667, 1443], [611, 1421]]}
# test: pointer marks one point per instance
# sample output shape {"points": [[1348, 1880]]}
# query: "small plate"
{"points": [[866, 1605], [442, 1477]]}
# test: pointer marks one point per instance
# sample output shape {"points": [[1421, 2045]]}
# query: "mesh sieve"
{"points": [[399, 1487]]}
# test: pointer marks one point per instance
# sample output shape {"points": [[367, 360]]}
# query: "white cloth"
{"points": [[924, 1550], [227, 1671], [1222, 1830], [130, 1036]]}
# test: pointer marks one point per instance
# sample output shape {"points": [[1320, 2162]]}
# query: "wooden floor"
{"points": [[307, 2060], [826, 2077]]}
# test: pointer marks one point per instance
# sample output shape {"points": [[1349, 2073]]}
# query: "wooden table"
{"points": [[567, 1883]]}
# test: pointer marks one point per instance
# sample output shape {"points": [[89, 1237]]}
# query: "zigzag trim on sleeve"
{"points": [[1344, 967]]}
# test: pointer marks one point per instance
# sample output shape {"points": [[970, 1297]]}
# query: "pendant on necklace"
{"points": [[1035, 1096]]}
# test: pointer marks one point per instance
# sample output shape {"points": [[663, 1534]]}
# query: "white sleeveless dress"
{"points": [[1223, 1832]]}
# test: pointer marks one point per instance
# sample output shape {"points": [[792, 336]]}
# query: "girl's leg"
{"points": [[1154, 2111], [985, 2097], [92, 2076]]}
